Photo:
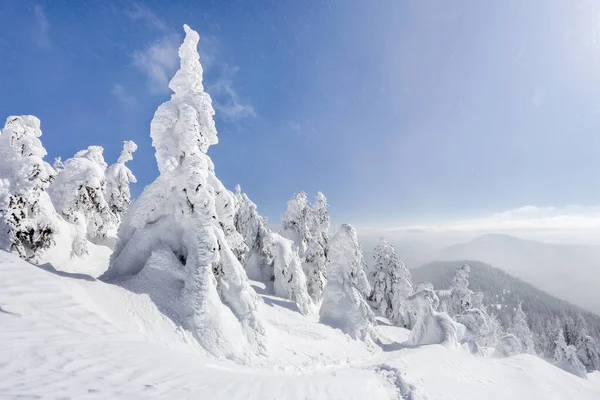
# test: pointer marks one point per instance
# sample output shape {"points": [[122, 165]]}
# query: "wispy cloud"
{"points": [[123, 96], [159, 61], [139, 12], [226, 100], [41, 28]]}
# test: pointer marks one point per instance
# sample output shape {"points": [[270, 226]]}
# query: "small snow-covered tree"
{"points": [[254, 229], [78, 194], [27, 227], [508, 346], [460, 294], [391, 284], [317, 248], [296, 222], [58, 165], [290, 281], [118, 179], [565, 357], [520, 328], [589, 354], [432, 327], [320, 222], [478, 327], [344, 305], [187, 209]]}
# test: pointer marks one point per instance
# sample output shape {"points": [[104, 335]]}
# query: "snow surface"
{"points": [[67, 335]]}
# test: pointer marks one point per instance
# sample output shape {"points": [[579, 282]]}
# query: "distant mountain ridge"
{"points": [[570, 272], [502, 293]]}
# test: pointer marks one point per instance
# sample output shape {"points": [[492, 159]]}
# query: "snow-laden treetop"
{"points": [[172, 136]]}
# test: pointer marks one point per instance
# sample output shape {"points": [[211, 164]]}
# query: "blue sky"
{"points": [[401, 112]]}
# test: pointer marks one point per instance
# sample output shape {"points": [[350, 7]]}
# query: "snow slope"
{"points": [[68, 335]]}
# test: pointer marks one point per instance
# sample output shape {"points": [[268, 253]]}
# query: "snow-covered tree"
{"points": [[391, 284], [460, 294], [520, 328], [344, 305], [290, 281], [565, 357], [78, 194], [317, 248], [27, 225], [254, 229], [589, 354], [296, 222], [58, 165], [432, 327], [478, 327], [508, 346], [118, 179], [320, 222], [187, 209]]}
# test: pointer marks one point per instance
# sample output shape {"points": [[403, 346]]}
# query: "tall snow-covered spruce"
{"points": [[520, 328], [27, 225], [188, 211], [391, 283], [118, 179], [344, 305]]}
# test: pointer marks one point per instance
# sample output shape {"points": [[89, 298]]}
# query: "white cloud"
{"points": [[123, 96], [159, 61], [528, 218], [41, 28], [139, 12], [226, 100]]}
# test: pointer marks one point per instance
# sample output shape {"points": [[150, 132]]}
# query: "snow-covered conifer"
{"points": [[290, 281], [589, 354], [508, 346], [254, 229], [479, 327], [391, 284], [78, 194], [320, 222], [118, 179], [187, 209], [58, 165], [27, 227], [565, 357], [432, 327], [460, 294], [296, 222], [520, 328], [344, 305]]}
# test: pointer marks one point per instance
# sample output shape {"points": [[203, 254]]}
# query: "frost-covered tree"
{"points": [[460, 294], [78, 195], [58, 165], [317, 248], [344, 305], [289, 281], [520, 328], [320, 222], [187, 209], [118, 179], [391, 284], [589, 354], [27, 217], [432, 327], [478, 327], [508, 346], [565, 357], [254, 229], [296, 222]]}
